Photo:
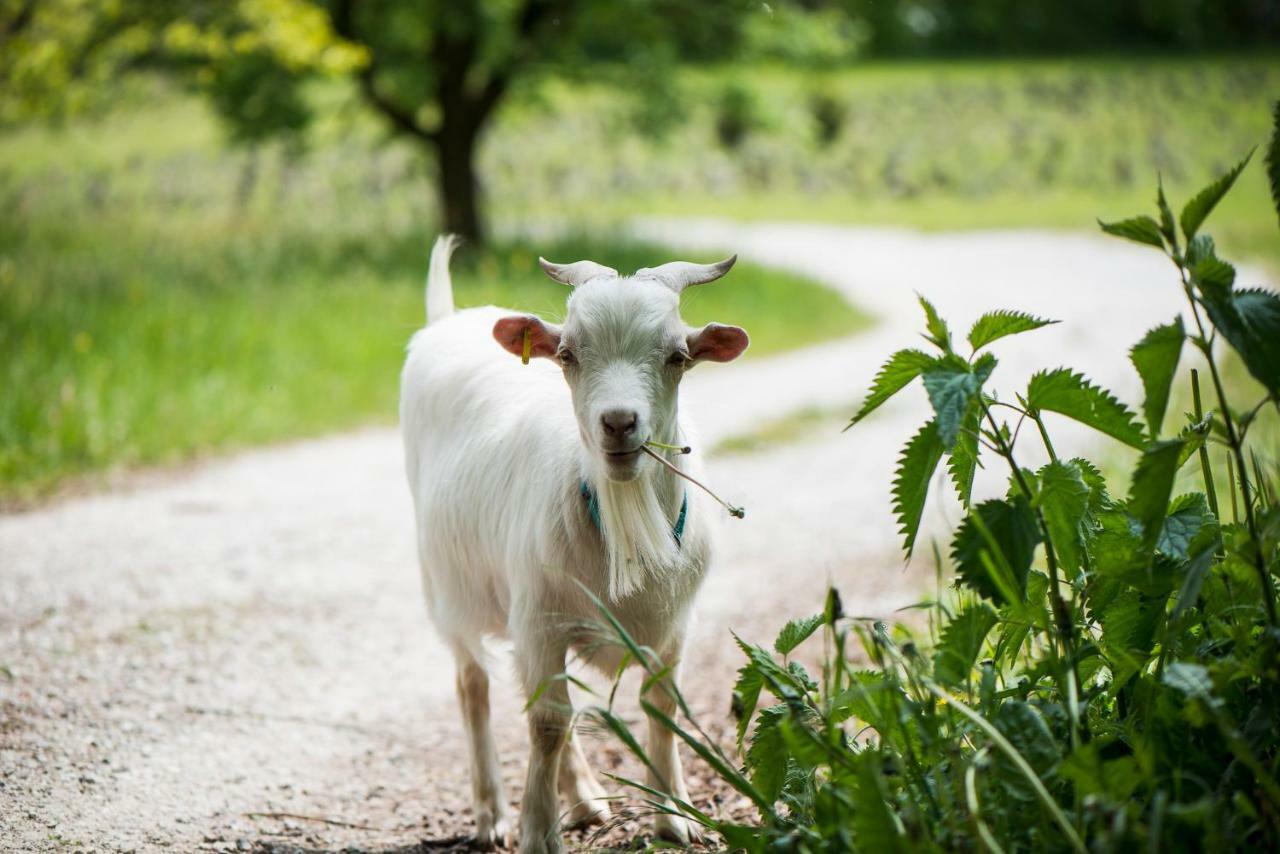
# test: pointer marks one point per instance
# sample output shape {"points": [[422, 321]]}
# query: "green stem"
{"points": [[1044, 436], [1062, 622], [1237, 449], [1205, 469]]}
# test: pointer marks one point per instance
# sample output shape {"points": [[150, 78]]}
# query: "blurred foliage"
{"points": [[436, 71], [163, 297]]}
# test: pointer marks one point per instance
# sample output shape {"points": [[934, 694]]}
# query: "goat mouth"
{"points": [[623, 455]]}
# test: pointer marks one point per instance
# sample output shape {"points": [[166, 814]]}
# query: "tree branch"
{"points": [[531, 18], [401, 118]]}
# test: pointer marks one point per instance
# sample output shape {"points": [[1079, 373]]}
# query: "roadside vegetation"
{"points": [[129, 341], [944, 144], [1105, 673]]}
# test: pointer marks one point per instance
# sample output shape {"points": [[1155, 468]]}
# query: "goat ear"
{"points": [[716, 342], [544, 338]]}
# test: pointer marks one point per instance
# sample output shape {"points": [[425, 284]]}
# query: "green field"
{"points": [[164, 294], [931, 145]]}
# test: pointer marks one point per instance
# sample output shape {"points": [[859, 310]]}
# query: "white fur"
{"points": [[495, 453]]}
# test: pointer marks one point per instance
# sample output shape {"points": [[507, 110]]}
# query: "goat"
{"points": [[530, 488]]}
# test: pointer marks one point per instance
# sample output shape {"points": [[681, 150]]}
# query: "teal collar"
{"points": [[593, 507]]}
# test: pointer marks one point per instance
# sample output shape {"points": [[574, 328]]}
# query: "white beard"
{"points": [[637, 534]]}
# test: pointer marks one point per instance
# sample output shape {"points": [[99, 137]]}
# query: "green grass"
{"points": [[931, 145], [127, 342]]}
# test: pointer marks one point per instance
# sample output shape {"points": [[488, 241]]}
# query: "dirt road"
{"points": [[237, 656]]}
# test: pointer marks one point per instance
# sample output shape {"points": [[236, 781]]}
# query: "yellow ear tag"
{"points": [[528, 347]]}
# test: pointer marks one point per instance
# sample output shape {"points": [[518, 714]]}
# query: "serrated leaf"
{"points": [[1250, 321], [1186, 526], [961, 642], [963, 463], [1064, 502], [746, 696], [911, 481], [1150, 489], [1273, 160], [767, 755], [1140, 229], [939, 334], [1156, 359], [995, 325], [1025, 728], [869, 698], [902, 367], [1213, 276], [1129, 624], [1190, 678], [796, 632], [952, 387], [1200, 206], [1070, 394], [1001, 533]]}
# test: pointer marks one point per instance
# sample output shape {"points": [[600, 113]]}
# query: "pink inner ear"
{"points": [[509, 332], [718, 343]]}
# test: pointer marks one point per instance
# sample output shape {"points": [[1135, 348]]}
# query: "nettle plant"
{"points": [[1106, 673]]}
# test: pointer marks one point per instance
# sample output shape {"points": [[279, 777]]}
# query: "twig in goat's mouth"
{"points": [[647, 447]]}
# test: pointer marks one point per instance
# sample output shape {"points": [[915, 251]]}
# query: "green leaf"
{"points": [[939, 334], [1187, 525], [911, 482], [1139, 229], [869, 698], [1129, 624], [1025, 728], [1196, 210], [995, 325], [1273, 159], [875, 827], [963, 462], [902, 367], [1001, 535], [1150, 489], [767, 756], [1167, 226], [746, 696], [1211, 275], [796, 632], [1156, 359], [1064, 501], [1191, 679], [961, 642], [1250, 321], [952, 388], [1070, 394]]}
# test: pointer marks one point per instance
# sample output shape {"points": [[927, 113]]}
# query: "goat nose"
{"points": [[619, 423]]}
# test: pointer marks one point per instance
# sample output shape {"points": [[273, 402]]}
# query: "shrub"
{"points": [[1107, 674]]}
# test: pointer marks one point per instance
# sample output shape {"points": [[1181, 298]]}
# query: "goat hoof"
{"points": [[492, 833], [677, 829]]}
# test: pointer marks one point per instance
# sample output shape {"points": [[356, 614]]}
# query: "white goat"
{"points": [[529, 484]]}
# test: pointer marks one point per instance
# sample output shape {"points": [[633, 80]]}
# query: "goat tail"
{"points": [[439, 282]]}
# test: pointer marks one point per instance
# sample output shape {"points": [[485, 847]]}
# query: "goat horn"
{"points": [[577, 273], [679, 275]]}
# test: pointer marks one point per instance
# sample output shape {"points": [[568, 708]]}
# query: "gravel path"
{"points": [[237, 657]]}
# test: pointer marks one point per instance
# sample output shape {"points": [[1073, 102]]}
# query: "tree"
{"points": [[435, 70]]}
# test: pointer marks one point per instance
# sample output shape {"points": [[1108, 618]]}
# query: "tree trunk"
{"points": [[459, 189]]}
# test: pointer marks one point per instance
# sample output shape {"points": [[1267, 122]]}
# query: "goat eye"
{"points": [[566, 358], [677, 359]]}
